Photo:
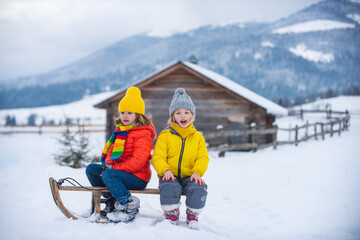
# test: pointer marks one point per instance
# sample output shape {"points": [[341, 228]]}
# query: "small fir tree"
{"points": [[75, 149]]}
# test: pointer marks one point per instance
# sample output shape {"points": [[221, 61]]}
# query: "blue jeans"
{"points": [[117, 181]]}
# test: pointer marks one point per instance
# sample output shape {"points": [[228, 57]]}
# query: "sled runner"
{"points": [[95, 199]]}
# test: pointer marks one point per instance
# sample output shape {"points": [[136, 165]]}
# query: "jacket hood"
{"points": [[150, 128]]}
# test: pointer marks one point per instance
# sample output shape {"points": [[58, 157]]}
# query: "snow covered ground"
{"points": [[309, 192], [81, 111]]}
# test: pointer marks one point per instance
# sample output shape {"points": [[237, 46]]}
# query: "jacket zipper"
{"points": [[180, 158]]}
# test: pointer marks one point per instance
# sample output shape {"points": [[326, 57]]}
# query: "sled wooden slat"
{"points": [[57, 199], [102, 189]]}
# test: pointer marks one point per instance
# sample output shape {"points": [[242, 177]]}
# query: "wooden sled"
{"points": [[95, 199]]}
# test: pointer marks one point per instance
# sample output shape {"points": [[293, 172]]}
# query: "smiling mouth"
{"points": [[183, 122]]}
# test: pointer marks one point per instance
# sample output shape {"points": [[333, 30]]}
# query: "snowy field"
{"points": [[81, 111], [309, 192]]}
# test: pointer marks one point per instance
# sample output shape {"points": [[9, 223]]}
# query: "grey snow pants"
{"points": [[170, 192]]}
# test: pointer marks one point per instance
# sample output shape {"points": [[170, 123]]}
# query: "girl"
{"points": [[125, 160], [180, 160]]}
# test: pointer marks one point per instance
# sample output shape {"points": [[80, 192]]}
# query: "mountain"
{"points": [[312, 50]]}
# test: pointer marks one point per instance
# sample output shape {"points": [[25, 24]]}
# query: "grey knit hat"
{"points": [[181, 100]]}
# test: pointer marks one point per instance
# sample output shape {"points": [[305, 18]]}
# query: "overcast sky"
{"points": [[40, 35]]}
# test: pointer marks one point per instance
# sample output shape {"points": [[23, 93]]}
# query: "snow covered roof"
{"points": [[270, 106]]}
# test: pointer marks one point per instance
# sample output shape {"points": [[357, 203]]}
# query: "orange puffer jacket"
{"points": [[137, 152]]}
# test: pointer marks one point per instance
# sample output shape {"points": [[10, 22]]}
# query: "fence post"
{"points": [[345, 123], [221, 139], [306, 130], [290, 133], [253, 139], [296, 135], [302, 114], [322, 131], [275, 137], [339, 127], [328, 114], [331, 128], [347, 116], [315, 131]]}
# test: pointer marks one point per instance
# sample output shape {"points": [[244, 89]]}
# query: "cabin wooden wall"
{"points": [[214, 104]]}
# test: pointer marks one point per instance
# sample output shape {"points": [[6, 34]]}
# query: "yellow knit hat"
{"points": [[132, 102]]}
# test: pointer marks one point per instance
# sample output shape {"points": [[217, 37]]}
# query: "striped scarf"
{"points": [[119, 137]]}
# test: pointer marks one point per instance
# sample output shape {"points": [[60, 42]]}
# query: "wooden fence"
{"points": [[51, 128], [320, 129], [315, 131], [329, 113], [252, 134]]}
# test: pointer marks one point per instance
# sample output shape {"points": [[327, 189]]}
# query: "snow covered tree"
{"points": [[75, 149], [32, 119], [10, 120]]}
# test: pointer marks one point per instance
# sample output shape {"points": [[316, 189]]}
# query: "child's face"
{"points": [[127, 118], [183, 117]]}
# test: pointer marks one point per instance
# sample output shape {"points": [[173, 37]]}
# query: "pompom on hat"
{"points": [[181, 100], [132, 102]]}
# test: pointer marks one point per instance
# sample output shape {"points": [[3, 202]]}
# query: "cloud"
{"points": [[40, 35]]}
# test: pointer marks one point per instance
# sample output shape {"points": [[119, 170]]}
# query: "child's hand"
{"points": [[109, 162], [168, 175], [197, 179]]}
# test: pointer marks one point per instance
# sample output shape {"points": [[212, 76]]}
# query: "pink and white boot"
{"points": [[172, 215], [192, 219]]}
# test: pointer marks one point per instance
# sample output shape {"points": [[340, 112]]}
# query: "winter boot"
{"points": [[172, 215], [192, 219], [132, 203], [109, 206], [131, 208]]}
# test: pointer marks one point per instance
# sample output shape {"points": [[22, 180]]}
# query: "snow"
{"points": [[312, 55], [307, 192], [235, 22], [267, 44], [355, 17], [81, 110], [312, 26], [270, 106], [340, 103], [258, 56]]}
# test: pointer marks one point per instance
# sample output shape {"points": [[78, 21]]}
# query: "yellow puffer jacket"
{"points": [[182, 150]]}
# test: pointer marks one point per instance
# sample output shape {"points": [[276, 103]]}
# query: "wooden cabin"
{"points": [[219, 101]]}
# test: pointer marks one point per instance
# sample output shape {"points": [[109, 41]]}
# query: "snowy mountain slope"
{"points": [[341, 103], [332, 10], [307, 192], [312, 26], [315, 56]]}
